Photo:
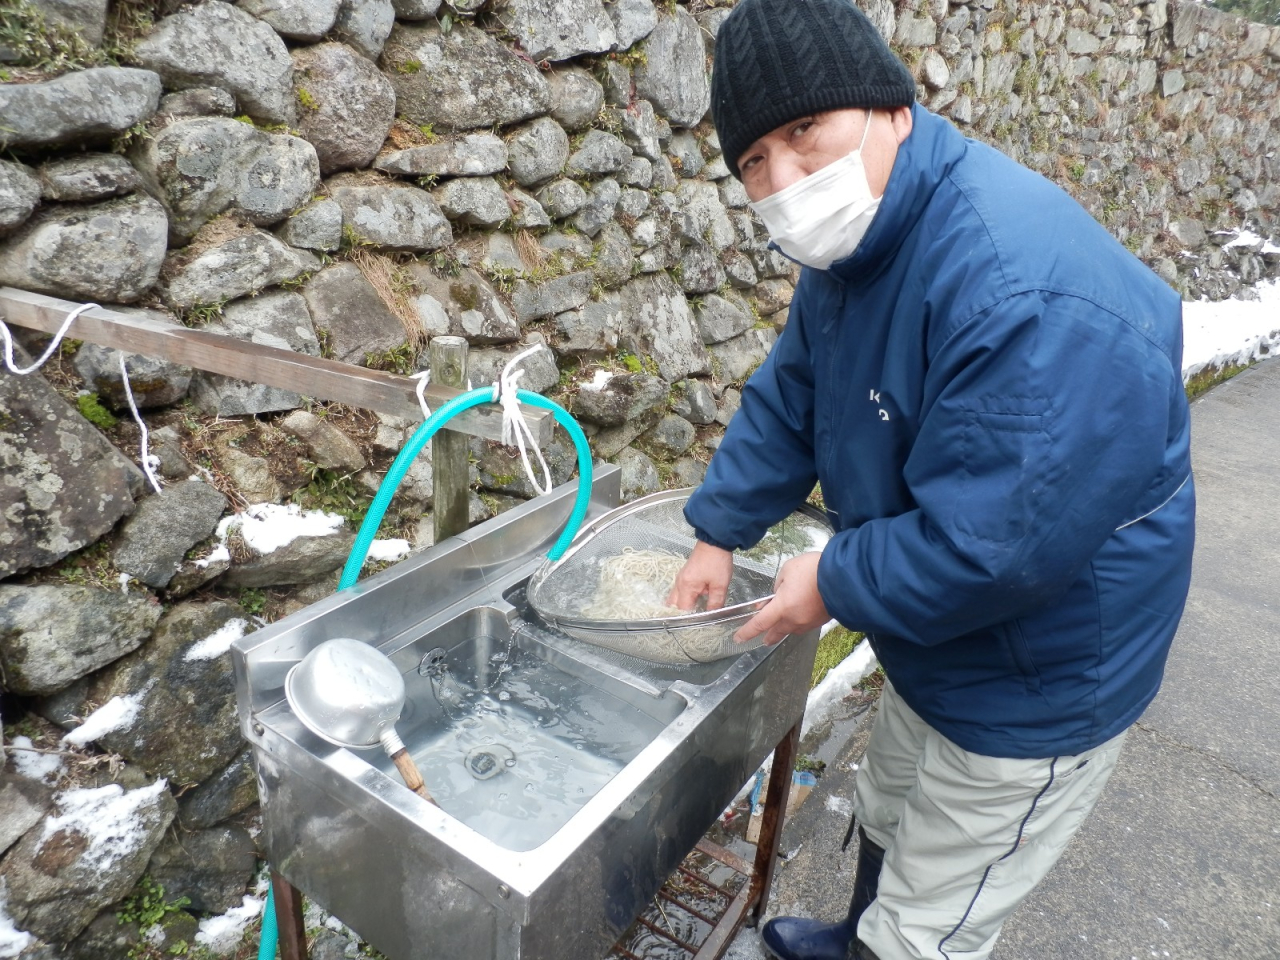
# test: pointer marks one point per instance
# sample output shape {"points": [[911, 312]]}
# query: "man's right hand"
{"points": [[706, 572]]}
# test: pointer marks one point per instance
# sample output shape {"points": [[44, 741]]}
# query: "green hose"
{"points": [[270, 933], [391, 483]]}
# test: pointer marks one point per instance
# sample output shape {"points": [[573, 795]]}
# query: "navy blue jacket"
{"points": [[989, 391]]}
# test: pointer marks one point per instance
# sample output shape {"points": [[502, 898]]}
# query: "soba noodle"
{"points": [[634, 585]]}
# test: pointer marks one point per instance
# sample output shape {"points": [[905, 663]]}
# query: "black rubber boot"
{"points": [[794, 938]]}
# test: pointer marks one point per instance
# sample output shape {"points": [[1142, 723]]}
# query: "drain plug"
{"points": [[488, 761]]}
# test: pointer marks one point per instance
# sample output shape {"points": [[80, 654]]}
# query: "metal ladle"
{"points": [[346, 692]]}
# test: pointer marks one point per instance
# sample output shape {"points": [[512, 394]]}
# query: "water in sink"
{"points": [[514, 753]]}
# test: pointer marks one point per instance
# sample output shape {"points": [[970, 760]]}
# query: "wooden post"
{"points": [[450, 482]]}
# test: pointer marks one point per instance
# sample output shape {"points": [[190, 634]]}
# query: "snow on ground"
{"points": [[839, 805], [218, 642], [118, 713], [44, 767], [12, 940], [387, 550], [220, 553], [105, 816], [1247, 238], [1216, 334], [598, 382], [266, 527], [222, 934], [825, 698]]}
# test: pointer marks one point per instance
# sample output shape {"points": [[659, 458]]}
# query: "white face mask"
{"points": [[822, 218]]}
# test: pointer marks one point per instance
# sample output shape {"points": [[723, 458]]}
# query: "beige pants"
{"points": [[967, 837]]}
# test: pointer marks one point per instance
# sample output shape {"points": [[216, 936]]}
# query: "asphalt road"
{"points": [[1181, 858]]}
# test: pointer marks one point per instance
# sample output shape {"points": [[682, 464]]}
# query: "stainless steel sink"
{"points": [[511, 736], [571, 782]]}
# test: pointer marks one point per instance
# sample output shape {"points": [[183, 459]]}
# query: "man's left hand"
{"points": [[796, 606]]}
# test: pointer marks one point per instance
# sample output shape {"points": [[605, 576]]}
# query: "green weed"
{"points": [[147, 906], [402, 359], [91, 409], [334, 492], [253, 600], [832, 649]]}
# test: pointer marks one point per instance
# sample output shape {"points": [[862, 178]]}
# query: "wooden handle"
{"points": [[412, 778]]}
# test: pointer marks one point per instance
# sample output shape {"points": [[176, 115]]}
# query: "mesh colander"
{"points": [[609, 588]]}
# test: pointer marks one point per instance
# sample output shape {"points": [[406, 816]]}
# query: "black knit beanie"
{"points": [[777, 60]]}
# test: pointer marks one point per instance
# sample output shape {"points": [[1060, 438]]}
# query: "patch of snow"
{"points": [[223, 934], [220, 553], [12, 940], [107, 817], [1245, 238], [266, 527], [387, 550], [118, 713], [1230, 331], [218, 642], [315, 915], [598, 382], [35, 766], [835, 686], [124, 579], [839, 805]]}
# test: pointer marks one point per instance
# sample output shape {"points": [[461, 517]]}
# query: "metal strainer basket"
{"points": [[610, 587]]}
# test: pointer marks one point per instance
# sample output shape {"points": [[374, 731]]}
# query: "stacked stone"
{"points": [[1160, 117], [354, 177]]}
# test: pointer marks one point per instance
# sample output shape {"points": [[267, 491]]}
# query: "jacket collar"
{"points": [[923, 161]]}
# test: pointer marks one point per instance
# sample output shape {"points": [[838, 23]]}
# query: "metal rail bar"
{"points": [[686, 908], [232, 357], [727, 857], [775, 810], [666, 935], [717, 942], [727, 894]]}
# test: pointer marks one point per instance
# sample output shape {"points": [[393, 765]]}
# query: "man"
{"points": [[988, 389]]}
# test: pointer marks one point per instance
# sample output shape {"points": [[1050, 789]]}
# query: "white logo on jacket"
{"points": [[875, 398]]}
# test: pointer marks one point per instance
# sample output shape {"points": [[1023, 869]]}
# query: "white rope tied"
{"points": [[53, 344], [515, 430], [423, 378], [148, 461]]}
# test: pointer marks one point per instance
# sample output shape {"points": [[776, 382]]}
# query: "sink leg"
{"points": [[293, 936], [775, 807]]}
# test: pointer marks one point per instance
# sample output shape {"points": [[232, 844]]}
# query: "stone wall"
{"points": [[1162, 118], [353, 177]]}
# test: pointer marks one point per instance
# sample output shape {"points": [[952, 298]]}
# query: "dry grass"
{"points": [[531, 252], [404, 134], [393, 287]]}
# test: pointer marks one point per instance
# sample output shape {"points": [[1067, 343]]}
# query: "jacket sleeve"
{"points": [[765, 464], [1045, 419]]}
